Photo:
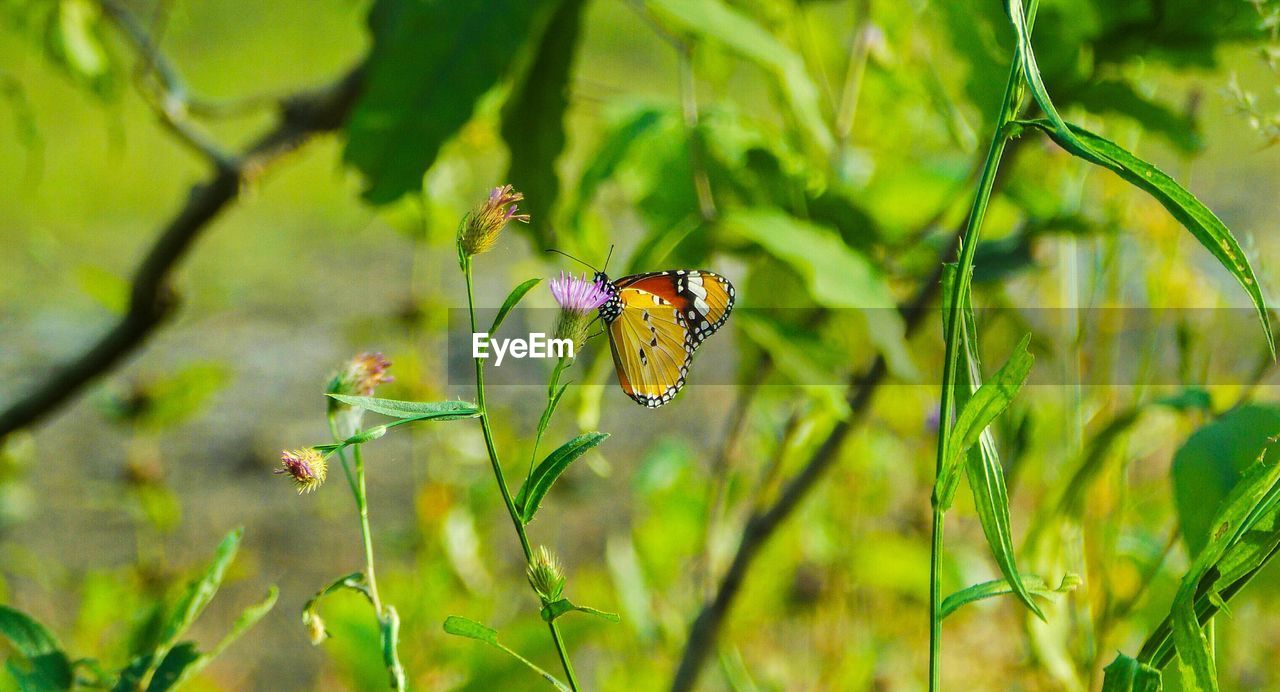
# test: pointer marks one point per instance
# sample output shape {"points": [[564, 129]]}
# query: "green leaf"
{"points": [[50, 669], [533, 118], [716, 21], [389, 633], [803, 357], [1120, 97], [986, 404], [517, 294], [176, 667], [470, 629], [184, 661], [555, 609], [430, 63], [1253, 499], [1189, 211], [530, 495], [614, 148], [837, 275], [411, 410], [248, 618], [462, 627], [311, 618], [1000, 587], [982, 463], [76, 42], [1209, 464], [1130, 675], [200, 592]]}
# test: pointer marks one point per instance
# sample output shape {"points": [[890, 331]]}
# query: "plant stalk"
{"points": [[561, 649], [968, 249]]}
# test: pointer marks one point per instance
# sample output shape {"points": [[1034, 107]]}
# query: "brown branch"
{"points": [[763, 523], [152, 297]]}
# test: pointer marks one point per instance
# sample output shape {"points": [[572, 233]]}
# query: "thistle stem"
{"points": [[561, 649], [387, 622], [986, 183]]}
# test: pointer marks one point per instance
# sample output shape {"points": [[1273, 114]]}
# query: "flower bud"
{"points": [[306, 466], [480, 228], [545, 575]]}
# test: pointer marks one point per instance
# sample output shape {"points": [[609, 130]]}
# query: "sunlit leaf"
{"points": [[517, 294], [545, 474], [988, 402], [555, 609], [415, 410], [1129, 675], [1253, 499], [717, 21], [470, 629], [1198, 219], [201, 591], [49, 667], [1209, 464], [1000, 587], [838, 276]]}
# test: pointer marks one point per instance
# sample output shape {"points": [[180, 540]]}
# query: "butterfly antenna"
{"points": [[575, 259], [608, 257]]}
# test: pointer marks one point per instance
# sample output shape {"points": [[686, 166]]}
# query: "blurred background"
{"points": [[821, 154]]}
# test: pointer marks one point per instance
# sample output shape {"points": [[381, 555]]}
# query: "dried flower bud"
{"points": [[545, 575], [306, 466], [480, 228], [316, 631], [361, 375], [578, 299]]}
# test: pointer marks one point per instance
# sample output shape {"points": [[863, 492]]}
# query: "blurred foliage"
{"points": [[698, 133]]}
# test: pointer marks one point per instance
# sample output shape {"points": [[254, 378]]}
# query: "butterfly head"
{"points": [[612, 307]]}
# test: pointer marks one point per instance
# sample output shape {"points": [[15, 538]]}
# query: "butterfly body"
{"points": [[656, 322]]}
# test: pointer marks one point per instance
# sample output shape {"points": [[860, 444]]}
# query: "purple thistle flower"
{"points": [[578, 298], [578, 295]]}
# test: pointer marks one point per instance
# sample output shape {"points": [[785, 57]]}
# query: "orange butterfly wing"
{"points": [[665, 316]]}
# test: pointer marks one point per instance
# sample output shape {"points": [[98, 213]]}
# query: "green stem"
{"points": [[552, 385], [561, 649], [362, 505], [388, 622], [986, 183]]}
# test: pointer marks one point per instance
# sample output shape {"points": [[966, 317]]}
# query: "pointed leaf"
{"points": [[1130, 675], [516, 295], [201, 591], [1189, 211], [412, 410], [1251, 501], [50, 669], [176, 667], [555, 609], [1000, 587], [531, 493], [463, 627], [986, 404]]}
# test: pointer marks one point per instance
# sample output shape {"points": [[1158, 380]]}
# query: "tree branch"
{"points": [[763, 523], [152, 298]]}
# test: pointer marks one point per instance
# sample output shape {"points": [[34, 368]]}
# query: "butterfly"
{"points": [[656, 321]]}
